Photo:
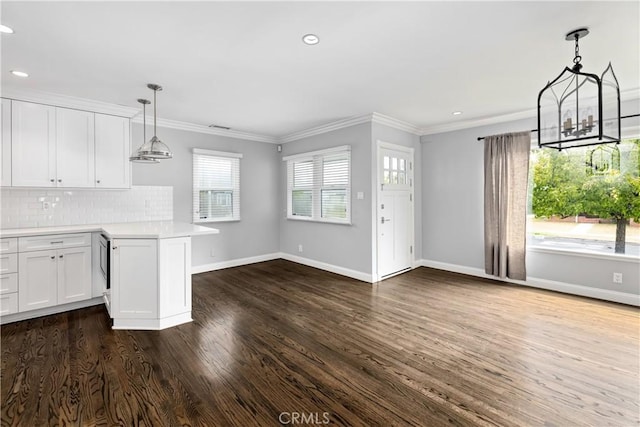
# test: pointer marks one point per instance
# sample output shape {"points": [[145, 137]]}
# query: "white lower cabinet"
{"points": [[56, 276], [37, 280], [175, 276], [150, 282], [8, 276], [74, 274], [8, 304], [134, 278]]}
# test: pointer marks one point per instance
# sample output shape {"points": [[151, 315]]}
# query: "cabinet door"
{"points": [[175, 276], [74, 148], [74, 274], [37, 277], [5, 152], [33, 145], [113, 169], [134, 278]]}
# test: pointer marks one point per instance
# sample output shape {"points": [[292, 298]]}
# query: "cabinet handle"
{"points": [[57, 242], [115, 247], [98, 181], [61, 256], [52, 180], [53, 257], [59, 180]]}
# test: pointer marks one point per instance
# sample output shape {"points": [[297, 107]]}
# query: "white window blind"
{"points": [[319, 185], [216, 186]]}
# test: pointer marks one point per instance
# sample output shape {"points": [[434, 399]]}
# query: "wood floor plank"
{"points": [[268, 340]]}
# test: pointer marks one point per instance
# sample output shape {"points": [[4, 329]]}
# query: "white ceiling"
{"points": [[243, 64]]}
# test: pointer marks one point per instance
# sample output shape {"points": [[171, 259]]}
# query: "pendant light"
{"points": [[137, 158], [155, 148], [579, 109]]}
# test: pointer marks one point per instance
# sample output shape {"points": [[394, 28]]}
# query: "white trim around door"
{"points": [[400, 188]]}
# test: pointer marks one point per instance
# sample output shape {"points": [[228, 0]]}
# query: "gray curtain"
{"points": [[506, 169]]}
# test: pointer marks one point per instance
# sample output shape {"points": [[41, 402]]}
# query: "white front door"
{"points": [[395, 211]]}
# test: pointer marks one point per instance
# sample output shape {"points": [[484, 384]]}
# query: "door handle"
{"points": [[385, 220]]}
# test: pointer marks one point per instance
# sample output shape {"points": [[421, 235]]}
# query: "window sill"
{"points": [[207, 221], [584, 254], [323, 221]]}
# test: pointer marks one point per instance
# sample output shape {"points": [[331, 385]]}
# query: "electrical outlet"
{"points": [[617, 277], [213, 252], [299, 248]]}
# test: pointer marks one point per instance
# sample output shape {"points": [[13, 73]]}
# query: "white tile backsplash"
{"points": [[24, 208]]}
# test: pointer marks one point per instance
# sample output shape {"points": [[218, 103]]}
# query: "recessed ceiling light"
{"points": [[5, 29], [457, 113], [19, 73], [310, 39]]}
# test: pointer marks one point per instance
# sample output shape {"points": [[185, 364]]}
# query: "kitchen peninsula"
{"points": [[140, 270]]}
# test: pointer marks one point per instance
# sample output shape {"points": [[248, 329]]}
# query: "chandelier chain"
{"points": [[577, 58]]}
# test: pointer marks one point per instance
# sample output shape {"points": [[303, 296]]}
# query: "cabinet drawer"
{"points": [[8, 304], [53, 241], [8, 245], [8, 283], [8, 263]]}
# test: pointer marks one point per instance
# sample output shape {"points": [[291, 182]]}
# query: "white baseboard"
{"points": [[234, 263], [31, 314], [152, 324], [534, 282], [358, 275]]}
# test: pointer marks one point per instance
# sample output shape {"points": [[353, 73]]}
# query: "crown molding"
{"points": [[66, 101], [191, 127], [339, 124], [352, 121], [395, 123], [630, 95], [626, 95], [472, 123]]}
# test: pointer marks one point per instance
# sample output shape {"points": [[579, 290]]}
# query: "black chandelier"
{"points": [[579, 109]]}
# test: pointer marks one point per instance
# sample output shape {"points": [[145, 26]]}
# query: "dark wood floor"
{"points": [[276, 339]]}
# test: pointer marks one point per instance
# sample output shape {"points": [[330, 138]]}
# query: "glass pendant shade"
{"points": [[155, 149], [579, 109]]}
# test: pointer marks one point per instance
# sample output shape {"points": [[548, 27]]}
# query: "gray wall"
{"points": [[257, 231], [346, 246], [452, 213]]}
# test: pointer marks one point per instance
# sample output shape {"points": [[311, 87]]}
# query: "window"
{"points": [[216, 186], [319, 185], [586, 198]]}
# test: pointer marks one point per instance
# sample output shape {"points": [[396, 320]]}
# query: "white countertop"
{"points": [[123, 230]]}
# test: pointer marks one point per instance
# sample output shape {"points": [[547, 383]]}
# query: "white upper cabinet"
{"points": [[74, 148], [33, 145], [5, 152], [61, 147], [113, 169]]}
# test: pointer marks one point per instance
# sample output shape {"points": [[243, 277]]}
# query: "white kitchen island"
{"points": [[149, 272]]}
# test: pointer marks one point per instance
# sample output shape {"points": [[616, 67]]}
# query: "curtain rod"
{"points": [[480, 138]]}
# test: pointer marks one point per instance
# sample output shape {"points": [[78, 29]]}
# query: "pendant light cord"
{"points": [[144, 122], [155, 91]]}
